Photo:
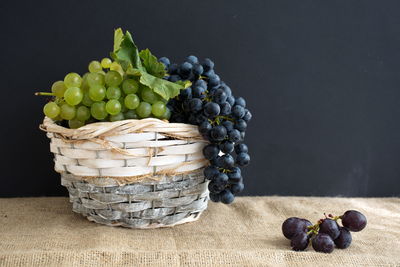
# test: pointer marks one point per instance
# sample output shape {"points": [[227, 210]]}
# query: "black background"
{"points": [[321, 78]]}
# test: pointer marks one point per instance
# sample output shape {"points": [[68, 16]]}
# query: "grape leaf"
{"points": [[185, 84], [151, 63], [164, 88], [125, 51]]}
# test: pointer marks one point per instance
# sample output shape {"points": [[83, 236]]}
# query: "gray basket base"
{"points": [[169, 201]]}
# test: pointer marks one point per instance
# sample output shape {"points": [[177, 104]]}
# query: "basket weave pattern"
{"points": [[135, 173]]}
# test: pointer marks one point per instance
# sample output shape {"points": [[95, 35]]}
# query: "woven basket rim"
{"points": [[103, 129]]}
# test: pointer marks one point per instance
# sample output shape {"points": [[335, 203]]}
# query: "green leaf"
{"points": [[125, 51], [118, 37], [151, 63], [164, 88]]}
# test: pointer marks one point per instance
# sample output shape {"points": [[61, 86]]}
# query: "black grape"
{"points": [[243, 159], [192, 59], [210, 151], [227, 197], [240, 101], [300, 241], [234, 135], [219, 96], [237, 188], [218, 133], [240, 125], [238, 111], [210, 172], [195, 104], [211, 109], [323, 243], [198, 69], [241, 148], [165, 61], [354, 221], [215, 197], [344, 239], [235, 175], [227, 147], [227, 161], [292, 226], [329, 227], [208, 64]]}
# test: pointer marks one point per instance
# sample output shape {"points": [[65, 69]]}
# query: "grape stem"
{"points": [[44, 93]]}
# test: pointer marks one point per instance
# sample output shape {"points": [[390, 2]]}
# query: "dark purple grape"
{"points": [[173, 69], [240, 101], [215, 197], [214, 80], [227, 197], [174, 78], [228, 125], [323, 243], [300, 241], [344, 239], [195, 104], [241, 148], [247, 116], [219, 96], [329, 227], [185, 68], [210, 172], [225, 109], [243, 159], [211, 109], [235, 175], [231, 100], [165, 61], [226, 147], [198, 69], [200, 83], [192, 59], [226, 89], [241, 125], [210, 151], [354, 220], [292, 226], [218, 133], [227, 161], [237, 188], [205, 127], [215, 187], [238, 111], [234, 135], [208, 64]]}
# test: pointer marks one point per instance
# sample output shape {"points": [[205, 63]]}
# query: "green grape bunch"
{"points": [[113, 89]]}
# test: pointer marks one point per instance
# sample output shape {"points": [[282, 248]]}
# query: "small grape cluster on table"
{"points": [[326, 233]]}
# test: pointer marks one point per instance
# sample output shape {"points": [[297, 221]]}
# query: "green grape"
{"points": [[113, 107], [131, 114], [113, 78], [58, 88], [95, 66], [51, 110], [85, 84], [74, 124], [149, 96], [72, 80], [113, 93], [106, 63], [158, 109], [95, 79], [132, 101], [102, 72], [73, 96], [86, 100], [115, 66], [117, 117], [123, 107], [82, 113], [68, 112], [166, 115], [144, 110], [98, 110], [130, 86], [97, 92]]}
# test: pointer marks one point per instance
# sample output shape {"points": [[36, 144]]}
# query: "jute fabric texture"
{"points": [[45, 232]]}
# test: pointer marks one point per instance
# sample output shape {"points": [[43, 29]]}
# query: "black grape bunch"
{"points": [[222, 120], [324, 235]]}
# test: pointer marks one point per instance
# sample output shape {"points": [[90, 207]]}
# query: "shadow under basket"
{"points": [[133, 173], [167, 201]]}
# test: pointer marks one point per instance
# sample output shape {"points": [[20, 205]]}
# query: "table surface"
{"points": [[45, 232]]}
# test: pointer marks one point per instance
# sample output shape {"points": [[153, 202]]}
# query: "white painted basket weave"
{"points": [[134, 173]]}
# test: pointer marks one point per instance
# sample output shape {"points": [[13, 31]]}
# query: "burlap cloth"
{"points": [[45, 232]]}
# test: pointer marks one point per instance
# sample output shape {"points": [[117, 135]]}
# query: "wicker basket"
{"points": [[134, 173]]}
